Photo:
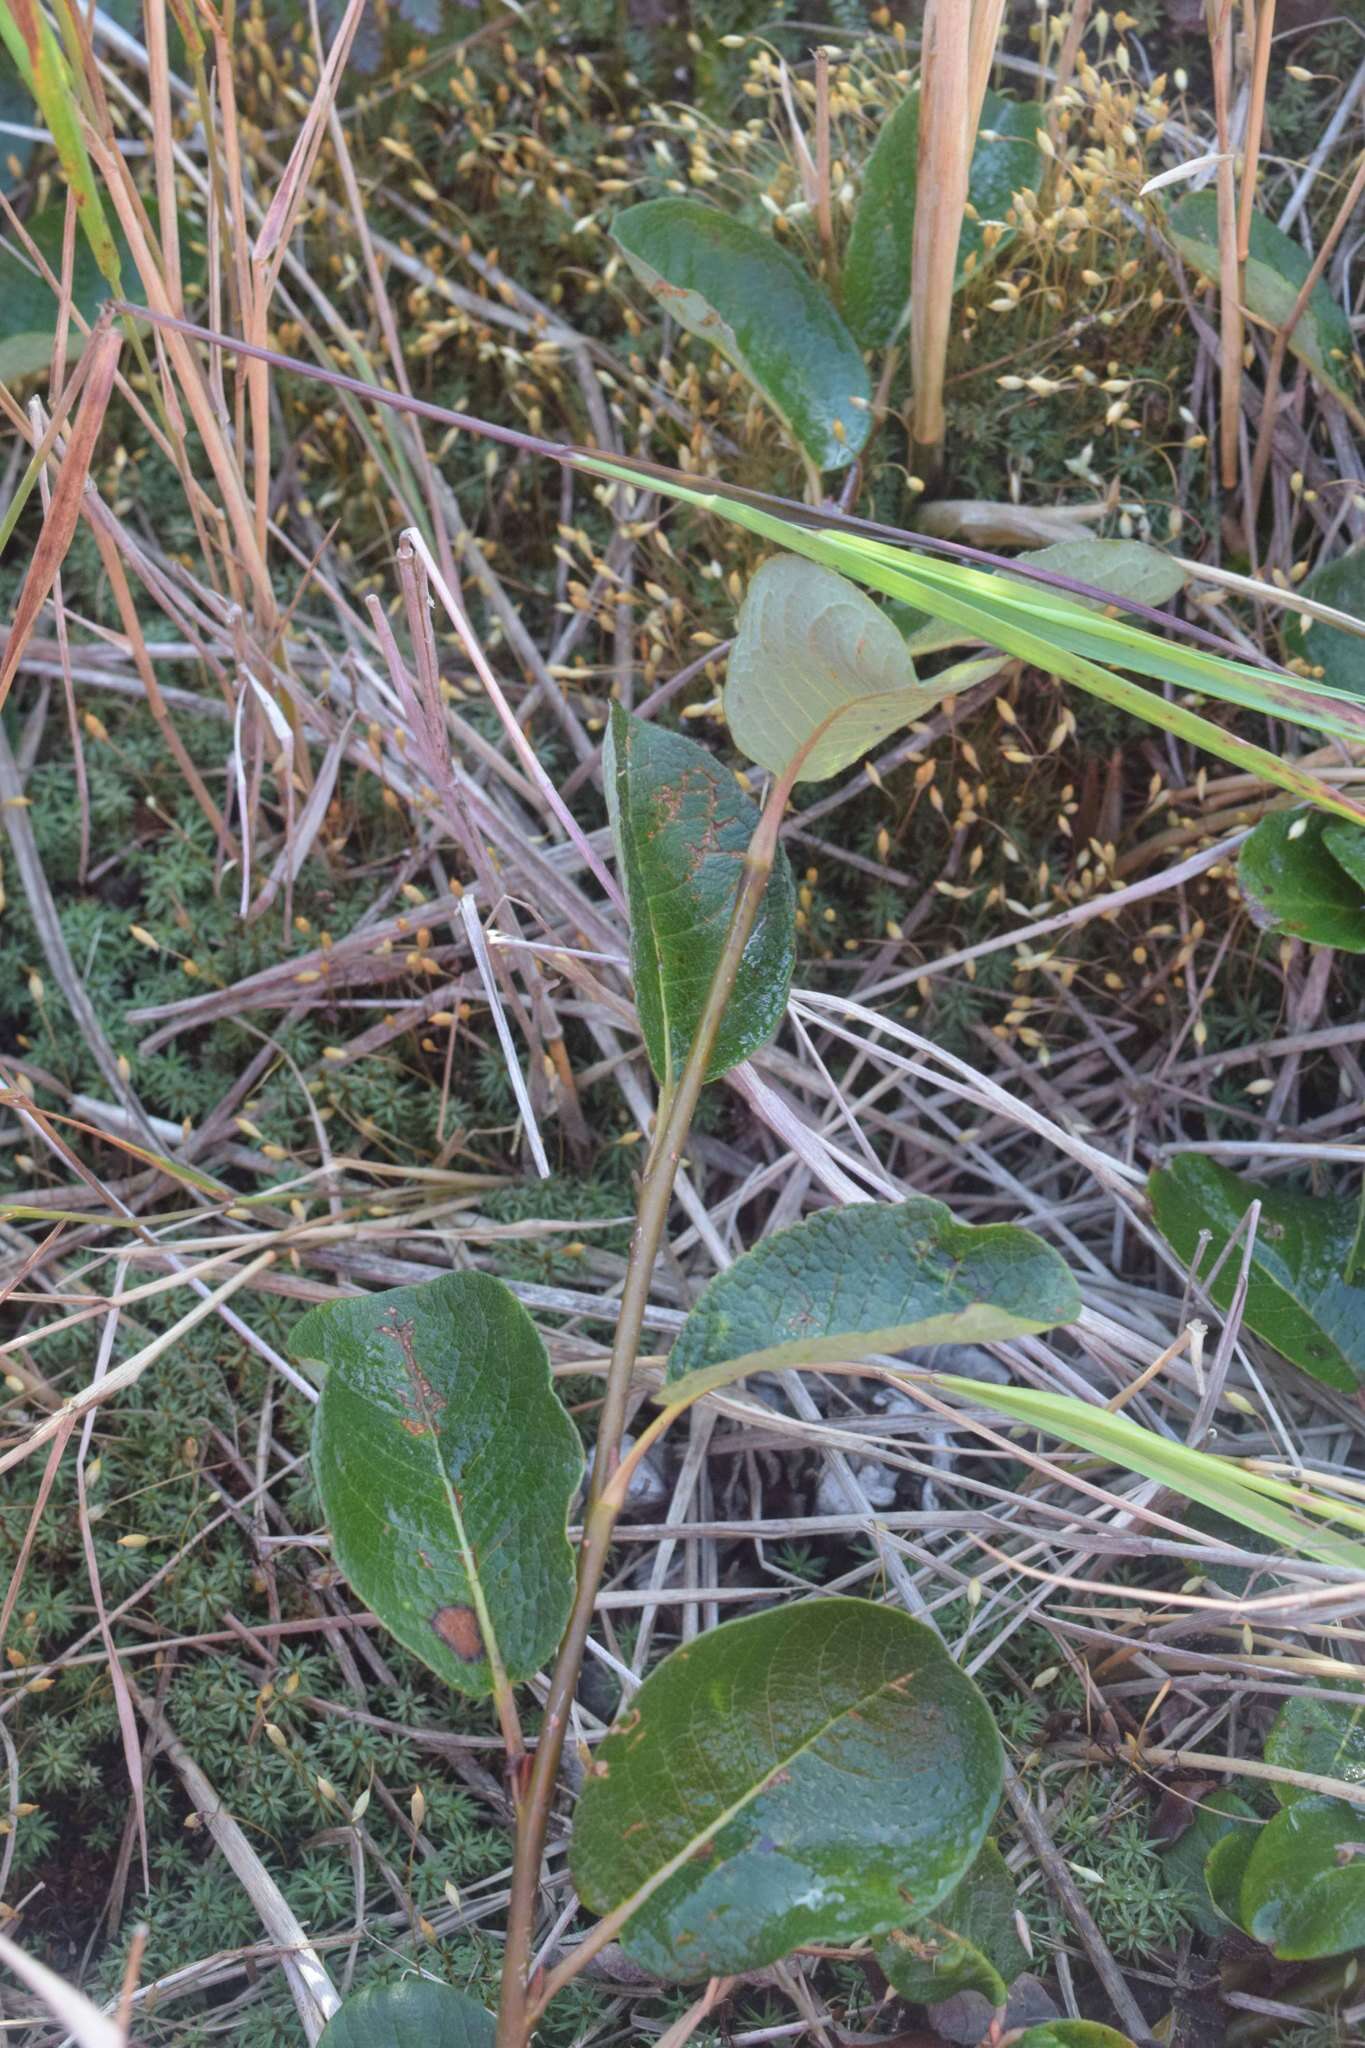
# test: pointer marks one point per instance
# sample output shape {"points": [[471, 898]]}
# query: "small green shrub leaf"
{"points": [[446, 1465], [969, 1943], [1129, 569], [1339, 654], [1276, 269], [749, 298], [1071, 2034], [1326, 1737], [1225, 1867], [1303, 1887], [871, 1277], [28, 305], [682, 824], [1298, 1296], [414, 2013], [1292, 880], [793, 1777], [877, 266], [1219, 1813], [816, 665]]}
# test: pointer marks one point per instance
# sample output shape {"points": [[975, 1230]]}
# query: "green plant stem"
{"points": [[517, 2012]]}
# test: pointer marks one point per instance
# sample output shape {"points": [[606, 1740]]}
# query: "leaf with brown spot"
{"points": [[446, 1465]]}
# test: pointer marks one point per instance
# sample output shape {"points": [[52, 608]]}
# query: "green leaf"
{"points": [[1071, 2034], [413, 2013], [1217, 1815], [1346, 844], [816, 666], [1225, 1867], [872, 1277], [28, 305], [1339, 654], [970, 1943], [798, 1776], [876, 286], [1009, 614], [1297, 1296], [1326, 1737], [682, 826], [1276, 270], [1125, 568], [752, 300], [447, 1466], [1293, 882], [1303, 1888]]}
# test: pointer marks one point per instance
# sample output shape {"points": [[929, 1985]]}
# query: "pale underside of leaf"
{"points": [[816, 672], [904, 576]]}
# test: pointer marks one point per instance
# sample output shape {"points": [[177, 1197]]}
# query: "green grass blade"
{"points": [[47, 75], [1251, 1498], [951, 592]]}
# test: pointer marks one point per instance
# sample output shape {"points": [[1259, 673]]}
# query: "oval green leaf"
{"points": [[969, 1943], [1071, 2034], [1277, 268], [1339, 654], [414, 2013], [28, 305], [1303, 1888], [682, 826], [803, 1775], [876, 285], [1326, 1737], [1293, 881], [1217, 1815], [1298, 1296], [750, 299], [817, 670], [871, 1277], [1130, 569], [1225, 1867], [447, 1465]]}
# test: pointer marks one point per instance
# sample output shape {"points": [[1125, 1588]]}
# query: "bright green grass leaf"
{"points": [[1339, 654], [876, 284], [750, 299], [42, 65], [682, 825], [1219, 1813], [816, 670], [1254, 1499], [1041, 627], [876, 1276], [1303, 1887], [1326, 1737], [969, 1943], [1298, 1297], [1071, 2034], [1275, 272], [1127, 568], [446, 1466], [1293, 882], [413, 2013], [797, 1776]]}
